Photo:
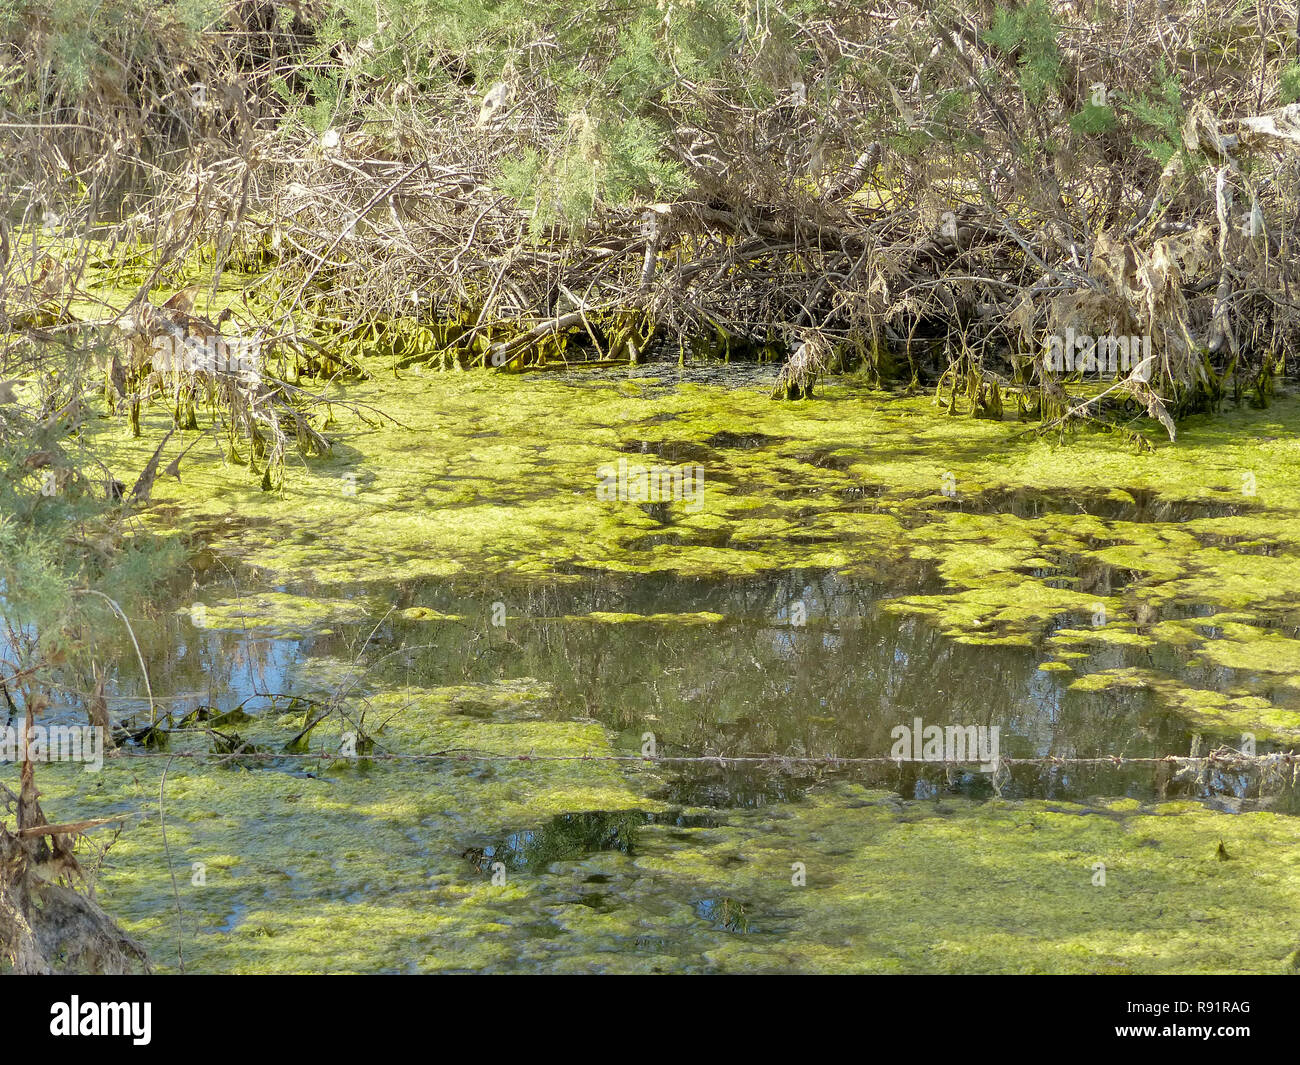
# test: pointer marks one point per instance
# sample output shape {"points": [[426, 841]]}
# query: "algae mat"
{"points": [[373, 872], [1101, 559], [454, 581]]}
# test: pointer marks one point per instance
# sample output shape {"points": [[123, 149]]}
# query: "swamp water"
{"points": [[453, 584]]}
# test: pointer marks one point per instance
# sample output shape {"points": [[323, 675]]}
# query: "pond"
{"points": [[448, 595]]}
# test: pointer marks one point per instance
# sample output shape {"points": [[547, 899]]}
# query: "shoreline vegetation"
{"points": [[354, 292], [931, 197]]}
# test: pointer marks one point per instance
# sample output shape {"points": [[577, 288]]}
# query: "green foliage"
{"points": [[635, 73], [1289, 84], [322, 102], [614, 106], [1030, 33], [59, 531], [908, 142], [197, 15], [952, 118], [78, 39], [636, 164], [1093, 118], [563, 187], [519, 176], [36, 589], [1164, 112], [598, 162]]}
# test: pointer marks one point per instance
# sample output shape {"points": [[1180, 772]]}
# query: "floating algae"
{"points": [[468, 599]]}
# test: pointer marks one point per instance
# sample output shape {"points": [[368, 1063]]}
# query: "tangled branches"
{"points": [[936, 194]]}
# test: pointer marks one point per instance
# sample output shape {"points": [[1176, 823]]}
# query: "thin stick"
{"points": [[153, 710], [167, 851]]}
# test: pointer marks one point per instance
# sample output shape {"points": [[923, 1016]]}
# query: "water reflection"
{"points": [[801, 664]]}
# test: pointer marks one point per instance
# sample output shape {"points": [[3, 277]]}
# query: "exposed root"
{"points": [[49, 920], [806, 364]]}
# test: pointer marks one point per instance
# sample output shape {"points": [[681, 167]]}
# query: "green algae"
{"points": [[600, 617], [476, 473], [312, 874], [1230, 714], [605, 617], [296, 857], [476, 470], [424, 613], [271, 613], [882, 884], [363, 868], [1249, 648]]}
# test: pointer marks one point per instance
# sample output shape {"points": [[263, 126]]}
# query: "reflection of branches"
{"points": [[144, 670]]}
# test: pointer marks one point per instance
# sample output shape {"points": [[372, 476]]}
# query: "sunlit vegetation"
{"points": [[309, 311]]}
